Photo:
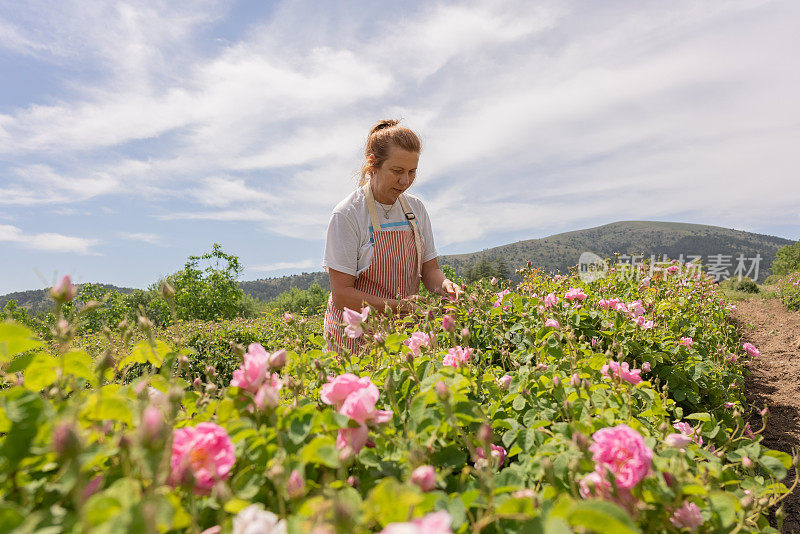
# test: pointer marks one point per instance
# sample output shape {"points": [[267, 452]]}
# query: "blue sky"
{"points": [[135, 133]]}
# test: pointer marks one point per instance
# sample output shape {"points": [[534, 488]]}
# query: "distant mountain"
{"points": [[38, 300], [557, 253]]}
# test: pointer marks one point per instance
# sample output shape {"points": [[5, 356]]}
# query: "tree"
{"points": [[207, 294], [787, 259]]}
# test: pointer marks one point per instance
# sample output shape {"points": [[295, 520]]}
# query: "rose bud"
{"points": [[424, 476]]}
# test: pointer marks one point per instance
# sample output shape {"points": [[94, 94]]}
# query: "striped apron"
{"points": [[395, 272]]}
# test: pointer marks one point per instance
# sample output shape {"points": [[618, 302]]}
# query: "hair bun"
{"points": [[382, 125]]}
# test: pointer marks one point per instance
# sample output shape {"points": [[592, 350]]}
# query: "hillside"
{"points": [[38, 300], [556, 253], [561, 251]]}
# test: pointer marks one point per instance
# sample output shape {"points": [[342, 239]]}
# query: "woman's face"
{"points": [[395, 175]]}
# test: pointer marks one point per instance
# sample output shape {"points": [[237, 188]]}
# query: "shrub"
{"points": [[787, 259], [304, 301], [788, 290]]}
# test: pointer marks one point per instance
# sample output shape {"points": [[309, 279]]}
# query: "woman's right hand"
{"points": [[407, 305]]}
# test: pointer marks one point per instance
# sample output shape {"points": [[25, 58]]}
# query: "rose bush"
{"points": [[489, 421]]}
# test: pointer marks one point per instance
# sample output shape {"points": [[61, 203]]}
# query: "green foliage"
{"points": [[745, 285], [787, 259], [303, 301], [75, 439], [788, 290], [483, 267]]}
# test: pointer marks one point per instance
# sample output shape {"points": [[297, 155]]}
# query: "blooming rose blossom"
{"points": [[417, 340], [687, 516], [424, 476], [288, 317], [645, 282], [646, 367], [448, 323], [255, 520], [353, 437], [252, 373], [354, 319], [552, 323], [687, 430], [457, 356], [504, 381], [751, 350], [360, 407], [621, 451], [433, 523], [500, 296], [574, 294], [622, 370], [679, 441], [686, 342], [550, 300], [206, 451], [337, 389]]}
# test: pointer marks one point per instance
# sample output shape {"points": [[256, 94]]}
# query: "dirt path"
{"points": [[775, 380]]}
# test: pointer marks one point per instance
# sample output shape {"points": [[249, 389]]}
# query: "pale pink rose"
{"points": [[288, 317], [679, 441], [556, 380], [552, 323], [354, 319], [575, 380], [295, 485], [206, 451], [672, 269], [448, 323], [646, 367], [276, 360], [621, 307], [416, 341], [493, 281], [645, 282], [623, 371], [686, 342], [747, 462], [550, 300], [499, 301], [253, 371], [636, 308], [457, 356], [687, 430], [647, 325], [424, 476], [603, 303], [337, 389], [153, 425], [355, 438], [504, 381], [621, 451], [255, 520], [729, 405], [751, 350], [687, 516], [360, 407], [266, 396], [574, 294], [433, 523], [594, 485], [526, 493]]}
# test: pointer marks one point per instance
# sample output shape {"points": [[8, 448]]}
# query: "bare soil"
{"points": [[774, 382]]}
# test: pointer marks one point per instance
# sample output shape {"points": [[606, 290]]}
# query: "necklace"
{"points": [[385, 211]]}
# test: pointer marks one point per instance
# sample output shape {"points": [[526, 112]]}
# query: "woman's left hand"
{"points": [[451, 289]]}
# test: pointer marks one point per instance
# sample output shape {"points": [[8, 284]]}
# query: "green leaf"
{"points": [[23, 409], [702, 416], [725, 505], [300, 426], [14, 339], [321, 450], [41, 371], [100, 508], [79, 364], [391, 502], [450, 456], [108, 406], [784, 458], [10, 517], [592, 513], [774, 466]]}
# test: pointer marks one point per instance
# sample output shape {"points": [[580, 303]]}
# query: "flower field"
{"points": [[555, 406], [788, 290]]}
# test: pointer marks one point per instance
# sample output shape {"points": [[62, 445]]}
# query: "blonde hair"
{"points": [[382, 136]]}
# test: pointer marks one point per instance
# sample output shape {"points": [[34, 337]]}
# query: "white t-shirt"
{"points": [[349, 247]]}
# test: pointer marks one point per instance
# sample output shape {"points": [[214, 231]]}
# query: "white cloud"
{"points": [[151, 239], [46, 242], [283, 265]]}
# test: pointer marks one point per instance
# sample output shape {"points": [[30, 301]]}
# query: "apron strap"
{"points": [[412, 220], [373, 213]]}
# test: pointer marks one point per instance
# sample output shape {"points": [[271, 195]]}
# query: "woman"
{"points": [[380, 242]]}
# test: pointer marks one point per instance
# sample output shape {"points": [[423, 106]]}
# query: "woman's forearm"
{"points": [[350, 297], [432, 279]]}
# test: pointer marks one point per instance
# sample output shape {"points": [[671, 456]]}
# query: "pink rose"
{"points": [[336, 391], [550, 300], [360, 407], [687, 430], [253, 371], [448, 323], [457, 356], [687, 516], [646, 367], [552, 323], [64, 291], [295, 485], [686, 342], [354, 438], [575, 294], [424, 476], [288, 317], [433, 523], [500, 296], [206, 451], [679, 441], [621, 451], [504, 381], [354, 319], [416, 341], [496, 451], [751, 350], [622, 370]]}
